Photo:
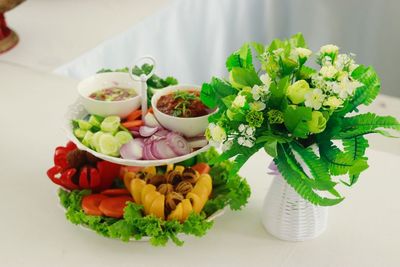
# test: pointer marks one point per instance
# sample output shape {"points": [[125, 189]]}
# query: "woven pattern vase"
{"points": [[287, 216]]}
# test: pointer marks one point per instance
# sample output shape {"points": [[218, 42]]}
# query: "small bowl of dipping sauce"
{"points": [[110, 93]]}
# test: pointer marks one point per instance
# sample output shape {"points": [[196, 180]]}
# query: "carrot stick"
{"points": [[90, 204], [134, 115], [114, 206], [131, 124]]}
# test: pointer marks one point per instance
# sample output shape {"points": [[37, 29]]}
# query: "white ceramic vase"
{"points": [[287, 216]]}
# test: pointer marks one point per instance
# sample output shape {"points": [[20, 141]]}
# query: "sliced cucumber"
{"points": [[110, 124], [123, 137], [109, 145], [87, 138], [79, 133], [84, 125], [94, 141], [95, 120]]}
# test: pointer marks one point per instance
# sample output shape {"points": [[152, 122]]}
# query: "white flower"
{"points": [[278, 52], [257, 106], [303, 52], [345, 87], [248, 143], [250, 131], [216, 133], [328, 71], [227, 145], [241, 140], [242, 128], [239, 101], [266, 80], [333, 102], [259, 91], [314, 99], [329, 49]]}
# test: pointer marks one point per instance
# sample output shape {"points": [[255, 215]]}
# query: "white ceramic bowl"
{"points": [[106, 80], [189, 127]]}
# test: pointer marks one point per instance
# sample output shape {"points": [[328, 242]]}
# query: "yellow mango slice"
{"points": [[186, 209], [176, 214], [136, 188], [206, 180], [148, 199], [128, 177], [146, 189], [197, 202], [150, 170], [201, 190], [170, 167], [157, 207], [179, 169]]}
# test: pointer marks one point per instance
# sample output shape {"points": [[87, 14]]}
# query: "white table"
{"points": [[363, 230]]}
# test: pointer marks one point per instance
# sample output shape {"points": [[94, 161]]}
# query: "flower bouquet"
{"points": [[304, 118]]}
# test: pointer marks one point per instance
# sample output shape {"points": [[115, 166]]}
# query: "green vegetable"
{"points": [[228, 189]]}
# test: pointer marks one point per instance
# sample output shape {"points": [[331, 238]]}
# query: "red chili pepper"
{"points": [[97, 177]]}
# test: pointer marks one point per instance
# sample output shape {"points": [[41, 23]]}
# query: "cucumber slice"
{"points": [[84, 125], [95, 120], [87, 138], [94, 141], [110, 124], [79, 133], [123, 137], [109, 145]]}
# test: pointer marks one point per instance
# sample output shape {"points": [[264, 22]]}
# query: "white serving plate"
{"points": [[77, 111]]}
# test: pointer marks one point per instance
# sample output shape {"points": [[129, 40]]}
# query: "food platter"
{"points": [[77, 111]]}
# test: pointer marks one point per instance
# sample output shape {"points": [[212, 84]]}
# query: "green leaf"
{"points": [[278, 98], [258, 47], [366, 93], [241, 58], [297, 40], [245, 77], [208, 95], [271, 147], [295, 177], [296, 119]]}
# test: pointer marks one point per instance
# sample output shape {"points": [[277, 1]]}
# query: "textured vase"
{"points": [[287, 216]]}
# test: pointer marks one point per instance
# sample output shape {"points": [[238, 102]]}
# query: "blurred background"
{"points": [[192, 38]]}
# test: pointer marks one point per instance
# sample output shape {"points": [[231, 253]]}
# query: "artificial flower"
{"points": [[239, 101], [257, 106], [227, 145], [297, 91], [247, 142], [265, 79], [275, 116], [303, 52], [259, 91], [333, 102], [255, 118], [345, 87], [329, 49], [217, 133], [328, 72], [317, 123], [314, 99]]}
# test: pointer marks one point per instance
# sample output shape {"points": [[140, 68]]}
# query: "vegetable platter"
{"points": [[138, 165]]}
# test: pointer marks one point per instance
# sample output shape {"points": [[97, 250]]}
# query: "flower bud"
{"points": [[317, 123], [297, 91]]}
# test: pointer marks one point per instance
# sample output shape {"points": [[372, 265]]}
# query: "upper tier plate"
{"points": [[77, 111]]}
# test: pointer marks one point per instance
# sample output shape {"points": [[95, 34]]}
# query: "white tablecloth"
{"points": [[363, 230]]}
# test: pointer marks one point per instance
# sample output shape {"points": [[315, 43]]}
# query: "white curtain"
{"points": [[192, 38]]}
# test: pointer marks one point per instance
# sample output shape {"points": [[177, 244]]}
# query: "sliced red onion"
{"points": [[151, 121], [162, 150], [135, 133], [147, 153], [162, 133], [133, 149], [178, 144], [197, 142], [147, 131]]}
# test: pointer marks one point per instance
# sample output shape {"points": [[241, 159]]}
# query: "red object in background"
{"points": [[8, 38], [97, 175]]}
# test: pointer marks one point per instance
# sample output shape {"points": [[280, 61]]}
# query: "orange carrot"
{"points": [[114, 206], [134, 115], [90, 204], [201, 168], [131, 124], [116, 192]]}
